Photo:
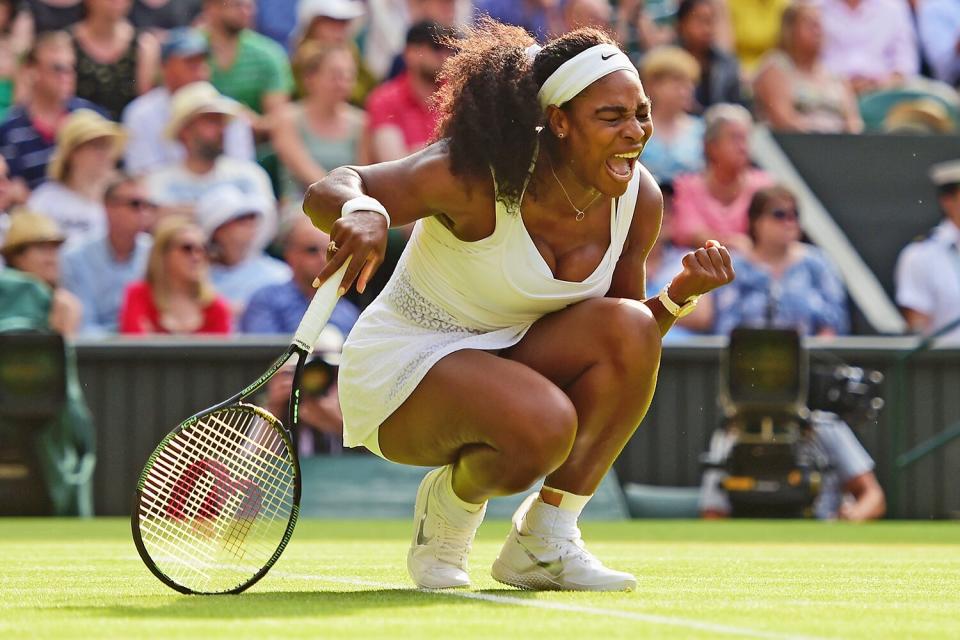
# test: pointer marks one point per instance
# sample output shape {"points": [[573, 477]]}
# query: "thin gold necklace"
{"points": [[580, 212]]}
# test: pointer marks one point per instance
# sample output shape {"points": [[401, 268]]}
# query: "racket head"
{"points": [[217, 501]]}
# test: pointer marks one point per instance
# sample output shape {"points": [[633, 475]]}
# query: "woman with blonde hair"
{"points": [[176, 296], [323, 130], [670, 75], [84, 161], [793, 91]]}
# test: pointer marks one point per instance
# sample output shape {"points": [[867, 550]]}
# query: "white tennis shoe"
{"points": [[441, 541], [554, 561]]}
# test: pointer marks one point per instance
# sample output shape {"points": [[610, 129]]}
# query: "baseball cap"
{"points": [[183, 42]]}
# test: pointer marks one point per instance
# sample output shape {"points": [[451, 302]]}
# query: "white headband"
{"points": [[582, 70]]}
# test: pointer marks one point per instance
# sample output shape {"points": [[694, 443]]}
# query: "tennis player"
{"points": [[515, 339]]}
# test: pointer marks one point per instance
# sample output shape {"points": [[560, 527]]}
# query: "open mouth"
{"points": [[621, 165]]}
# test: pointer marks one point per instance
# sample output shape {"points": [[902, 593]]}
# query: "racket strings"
{"points": [[216, 502]]}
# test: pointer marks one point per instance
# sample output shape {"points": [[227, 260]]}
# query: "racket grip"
{"points": [[319, 311]]}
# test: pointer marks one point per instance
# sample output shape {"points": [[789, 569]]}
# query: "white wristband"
{"points": [[364, 203], [674, 309]]}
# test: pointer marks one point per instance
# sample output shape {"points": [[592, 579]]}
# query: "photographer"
{"points": [[321, 422], [849, 489]]}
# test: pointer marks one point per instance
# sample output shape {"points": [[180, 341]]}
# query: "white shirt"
{"points": [[928, 277], [148, 148], [78, 217], [174, 185]]}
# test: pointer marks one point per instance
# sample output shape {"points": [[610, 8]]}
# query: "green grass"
{"points": [[347, 579]]}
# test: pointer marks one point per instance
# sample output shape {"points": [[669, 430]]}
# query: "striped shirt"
{"points": [[26, 149], [259, 68]]}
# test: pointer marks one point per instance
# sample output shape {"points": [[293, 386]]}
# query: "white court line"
{"points": [[686, 623]]}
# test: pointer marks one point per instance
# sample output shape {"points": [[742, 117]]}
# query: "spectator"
{"points": [[32, 247], [31, 298], [198, 119], [669, 76], [401, 119], [177, 296], [52, 15], [184, 61], [664, 261], [389, 20], [278, 308], [27, 135], [781, 282], [938, 23], [719, 71], [166, 15], [248, 67], [331, 23], [115, 62], [230, 219], [587, 13], [641, 25], [15, 39], [754, 27], [927, 274], [849, 489], [540, 18], [88, 147], [99, 270], [10, 195], [792, 89], [713, 203], [322, 131], [869, 43]]}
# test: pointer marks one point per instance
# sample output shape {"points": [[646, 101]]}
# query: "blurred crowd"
{"points": [[154, 153]]}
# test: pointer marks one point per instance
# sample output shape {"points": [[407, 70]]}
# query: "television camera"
{"points": [[772, 464]]}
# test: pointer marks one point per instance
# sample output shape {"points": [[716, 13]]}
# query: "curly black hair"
{"points": [[488, 106]]}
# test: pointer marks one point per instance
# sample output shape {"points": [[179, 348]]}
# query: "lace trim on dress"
{"points": [[416, 308]]}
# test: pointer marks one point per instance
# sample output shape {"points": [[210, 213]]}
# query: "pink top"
{"points": [[394, 103], [697, 213]]}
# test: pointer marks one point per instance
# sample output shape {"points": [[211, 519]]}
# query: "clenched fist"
{"points": [[704, 270]]}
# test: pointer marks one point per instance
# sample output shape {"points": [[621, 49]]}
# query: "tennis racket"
{"points": [[218, 499]]}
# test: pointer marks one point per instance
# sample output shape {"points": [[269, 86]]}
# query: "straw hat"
{"points": [[29, 227], [195, 99], [923, 115], [81, 126]]}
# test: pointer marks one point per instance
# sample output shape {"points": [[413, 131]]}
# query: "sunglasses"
{"points": [[136, 203], [190, 248], [785, 215], [61, 69]]}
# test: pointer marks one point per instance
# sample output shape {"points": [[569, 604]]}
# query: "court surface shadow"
{"points": [[290, 604]]}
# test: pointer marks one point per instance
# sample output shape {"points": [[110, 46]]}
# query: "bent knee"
{"points": [[628, 335], [539, 437]]}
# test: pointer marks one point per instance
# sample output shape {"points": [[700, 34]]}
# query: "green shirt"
{"points": [[260, 67], [24, 301]]}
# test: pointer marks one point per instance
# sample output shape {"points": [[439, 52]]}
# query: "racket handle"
{"points": [[319, 311]]}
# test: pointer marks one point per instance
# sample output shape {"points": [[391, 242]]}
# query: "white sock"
{"points": [[546, 519], [449, 500], [569, 501]]}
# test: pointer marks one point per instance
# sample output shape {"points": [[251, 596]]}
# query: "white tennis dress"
{"points": [[446, 295]]}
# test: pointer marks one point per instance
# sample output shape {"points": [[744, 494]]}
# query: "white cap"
{"points": [[308, 10], [224, 203], [944, 173]]}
